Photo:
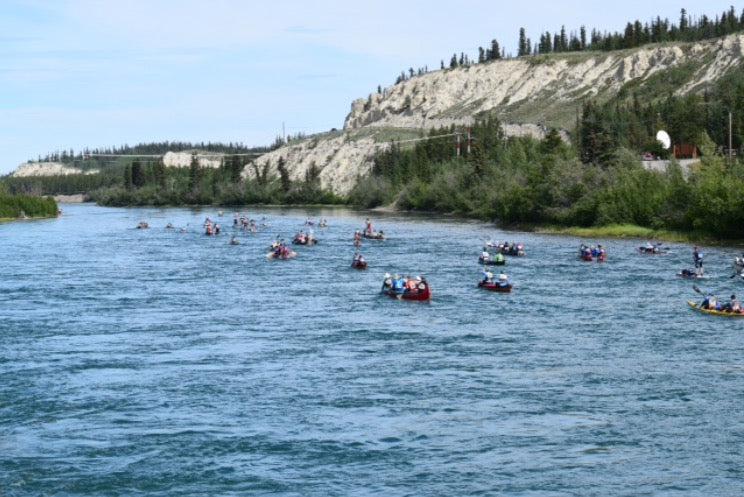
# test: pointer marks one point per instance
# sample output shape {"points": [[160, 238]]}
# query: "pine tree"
{"points": [[194, 173], [522, 48], [582, 38], [128, 177], [284, 175], [564, 39], [138, 177], [495, 50], [160, 173]]}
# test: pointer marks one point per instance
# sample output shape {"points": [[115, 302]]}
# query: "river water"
{"points": [[160, 362]]}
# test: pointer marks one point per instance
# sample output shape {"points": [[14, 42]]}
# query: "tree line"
{"points": [[152, 183], [635, 34], [599, 181]]}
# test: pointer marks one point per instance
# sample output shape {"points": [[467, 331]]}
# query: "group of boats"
{"points": [[710, 304], [493, 255], [418, 289]]}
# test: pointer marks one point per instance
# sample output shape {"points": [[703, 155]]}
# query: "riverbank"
{"points": [[634, 231]]}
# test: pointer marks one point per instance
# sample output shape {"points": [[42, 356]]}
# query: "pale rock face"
{"points": [[339, 160], [48, 169], [443, 98], [183, 159]]}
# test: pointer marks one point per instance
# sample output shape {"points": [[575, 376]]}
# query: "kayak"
{"points": [[727, 314], [495, 286], [359, 264]]}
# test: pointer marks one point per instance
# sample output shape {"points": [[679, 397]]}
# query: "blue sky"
{"points": [[94, 73]]}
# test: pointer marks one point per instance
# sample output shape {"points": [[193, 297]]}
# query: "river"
{"points": [[169, 363]]}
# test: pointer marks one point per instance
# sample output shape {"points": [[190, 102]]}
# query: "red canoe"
{"points": [[495, 286], [421, 293]]}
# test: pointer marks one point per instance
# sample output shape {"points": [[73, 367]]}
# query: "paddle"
{"points": [[695, 287]]}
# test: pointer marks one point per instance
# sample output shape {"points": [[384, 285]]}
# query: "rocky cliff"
{"points": [[47, 169], [529, 94]]}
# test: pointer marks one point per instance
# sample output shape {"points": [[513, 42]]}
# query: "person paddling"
{"points": [[697, 258], [732, 305]]}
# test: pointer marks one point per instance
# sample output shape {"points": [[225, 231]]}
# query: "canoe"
{"points": [[304, 241], [589, 257], [651, 250], [495, 286], [687, 273], [697, 307], [491, 262], [422, 294], [288, 255], [515, 250]]}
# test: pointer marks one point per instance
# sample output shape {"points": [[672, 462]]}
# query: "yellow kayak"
{"points": [[697, 307]]}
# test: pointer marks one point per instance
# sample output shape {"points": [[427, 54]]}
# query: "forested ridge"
{"points": [[636, 34]]}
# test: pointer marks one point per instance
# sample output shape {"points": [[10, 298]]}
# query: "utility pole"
{"points": [[730, 141]]}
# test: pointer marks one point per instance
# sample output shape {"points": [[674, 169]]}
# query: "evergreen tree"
{"points": [[564, 39], [582, 38], [138, 177], [284, 175], [522, 48], [160, 173], [495, 50], [194, 173], [128, 184]]}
